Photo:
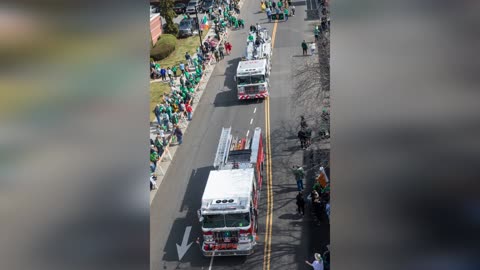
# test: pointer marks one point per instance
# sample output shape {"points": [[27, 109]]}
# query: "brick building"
{"points": [[156, 27]]}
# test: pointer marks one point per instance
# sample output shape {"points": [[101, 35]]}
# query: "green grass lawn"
{"points": [[156, 92], [189, 45], [157, 89]]}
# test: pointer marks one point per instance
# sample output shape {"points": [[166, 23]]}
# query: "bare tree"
{"points": [[311, 76]]}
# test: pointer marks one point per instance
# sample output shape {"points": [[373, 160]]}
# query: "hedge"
{"points": [[164, 47]]}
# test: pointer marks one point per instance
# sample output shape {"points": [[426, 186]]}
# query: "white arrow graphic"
{"points": [[182, 249]]}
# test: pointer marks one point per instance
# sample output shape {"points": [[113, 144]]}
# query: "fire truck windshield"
{"points": [[243, 80], [228, 220], [237, 220], [250, 79], [257, 78], [213, 221]]}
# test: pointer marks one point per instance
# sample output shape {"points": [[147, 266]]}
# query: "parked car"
{"points": [[154, 9], [188, 27], [208, 4], [180, 8], [191, 6]]}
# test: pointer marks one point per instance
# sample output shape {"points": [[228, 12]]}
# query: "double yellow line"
{"points": [[269, 217]]}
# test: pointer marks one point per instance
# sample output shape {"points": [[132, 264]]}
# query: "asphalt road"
{"points": [[294, 239]]}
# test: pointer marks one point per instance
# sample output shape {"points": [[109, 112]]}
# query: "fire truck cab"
{"points": [[229, 209], [253, 70]]}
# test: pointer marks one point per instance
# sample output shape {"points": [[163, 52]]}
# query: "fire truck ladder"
{"points": [[223, 147]]}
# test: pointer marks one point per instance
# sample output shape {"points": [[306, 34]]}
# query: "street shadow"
{"points": [[312, 15], [299, 3], [290, 216], [301, 55], [190, 204], [230, 72]]}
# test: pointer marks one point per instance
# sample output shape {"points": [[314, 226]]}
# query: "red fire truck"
{"points": [[229, 211]]}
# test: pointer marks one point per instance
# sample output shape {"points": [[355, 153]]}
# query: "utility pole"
{"points": [[199, 30]]}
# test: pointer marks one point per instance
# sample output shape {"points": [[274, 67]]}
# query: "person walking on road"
{"points": [[299, 173], [179, 134], [221, 49], [300, 203], [269, 15], [316, 32], [228, 47], [304, 47], [317, 264], [285, 13], [312, 47], [303, 122], [292, 7]]}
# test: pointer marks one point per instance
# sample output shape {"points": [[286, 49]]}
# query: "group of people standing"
{"points": [[272, 8], [319, 202], [319, 197]]}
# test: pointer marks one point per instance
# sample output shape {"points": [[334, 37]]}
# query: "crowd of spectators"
{"points": [[177, 104], [320, 197]]}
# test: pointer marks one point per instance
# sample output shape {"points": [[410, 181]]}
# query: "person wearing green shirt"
{"points": [[251, 37], [174, 70], [241, 23], [299, 174], [169, 111], [154, 158], [285, 13], [279, 4], [235, 22]]}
